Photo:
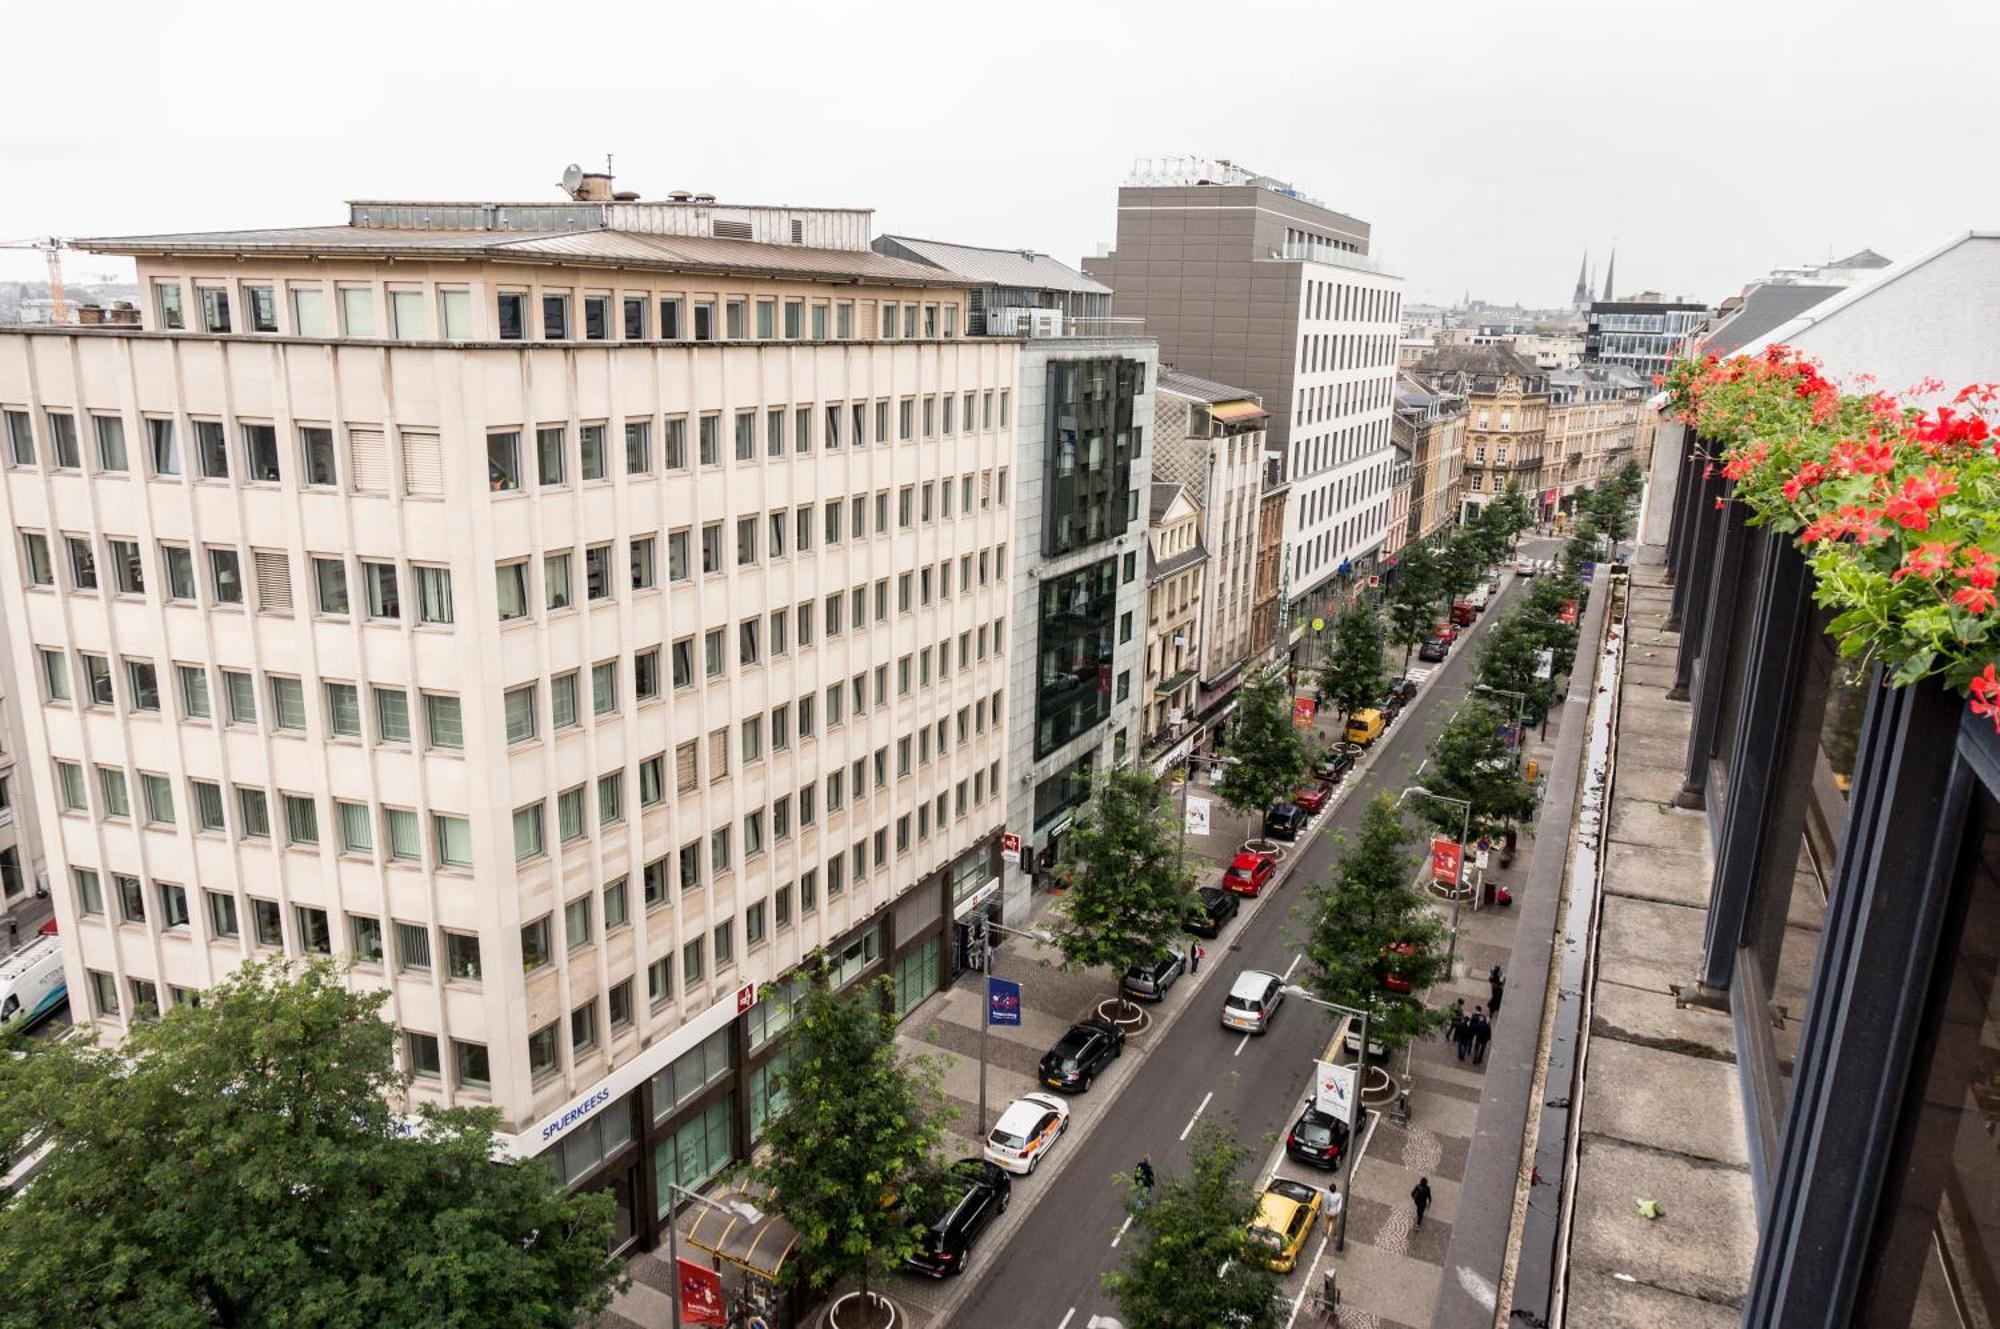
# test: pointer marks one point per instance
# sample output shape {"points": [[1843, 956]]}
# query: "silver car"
{"points": [[1253, 999]]}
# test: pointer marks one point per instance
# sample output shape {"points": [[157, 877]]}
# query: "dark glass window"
{"points": [[1073, 667], [1065, 789], [511, 315], [1088, 457]]}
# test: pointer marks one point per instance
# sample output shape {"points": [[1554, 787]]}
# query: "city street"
{"points": [[1048, 1270]]}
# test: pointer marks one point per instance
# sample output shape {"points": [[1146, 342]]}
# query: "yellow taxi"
{"points": [[1286, 1212]]}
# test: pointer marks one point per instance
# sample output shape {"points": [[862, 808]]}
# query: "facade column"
{"points": [[1735, 546], [1693, 590]]}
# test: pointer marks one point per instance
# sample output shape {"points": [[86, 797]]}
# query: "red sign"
{"points": [[1303, 709], [746, 997], [1447, 861], [1569, 611], [1010, 844], [701, 1295]]}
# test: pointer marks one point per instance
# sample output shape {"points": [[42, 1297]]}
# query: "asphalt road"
{"points": [[1047, 1275]]}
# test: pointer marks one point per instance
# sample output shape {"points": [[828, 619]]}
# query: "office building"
{"points": [[1645, 335], [1245, 280], [1083, 454], [573, 614]]}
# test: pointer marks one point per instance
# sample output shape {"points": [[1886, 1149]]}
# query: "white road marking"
{"points": [[1189, 1128], [1293, 965], [1123, 1228], [1068, 1315], [1241, 1043], [1299, 1301]]}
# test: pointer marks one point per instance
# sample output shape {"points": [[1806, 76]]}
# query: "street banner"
{"points": [[1010, 848], [1197, 815], [701, 1295], [1589, 570], [1333, 1090], [1003, 1002], [1303, 709], [1568, 614], [1447, 860]]}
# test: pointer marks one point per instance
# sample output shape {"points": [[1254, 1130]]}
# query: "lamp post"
{"points": [[986, 1002], [1464, 833], [1354, 1104], [742, 1209]]}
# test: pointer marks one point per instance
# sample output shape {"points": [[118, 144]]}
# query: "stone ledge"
{"points": [[1599, 1301], [1652, 1019], [1701, 1247], [1664, 1101]]}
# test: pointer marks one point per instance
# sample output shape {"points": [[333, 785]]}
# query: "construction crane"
{"points": [[51, 247]]}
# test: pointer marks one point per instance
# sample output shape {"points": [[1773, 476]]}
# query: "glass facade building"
{"points": [[1092, 439], [1074, 642]]}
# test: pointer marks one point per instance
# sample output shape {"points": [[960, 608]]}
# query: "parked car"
{"points": [[1247, 874], [1253, 999], [1317, 1139], [1284, 821], [1404, 690], [1312, 798], [1026, 1131], [1212, 907], [1286, 1212], [975, 1192], [1434, 649], [1449, 631], [1464, 613], [1480, 596], [1364, 726], [1337, 761], [1079, 1055], [1150, 980]]}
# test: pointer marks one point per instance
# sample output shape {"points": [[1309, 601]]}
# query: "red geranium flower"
{"points": [[1985, 689]]}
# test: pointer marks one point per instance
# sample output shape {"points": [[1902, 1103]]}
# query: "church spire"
{"points": [[1582, 295], [1610, 268]]}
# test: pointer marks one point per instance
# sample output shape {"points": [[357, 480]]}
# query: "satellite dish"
{"points": [[572, 179]]}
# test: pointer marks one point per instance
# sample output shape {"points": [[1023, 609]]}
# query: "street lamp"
{"points": [[740, 1209], [985, 1003], [1464, 833], [1354, 1103], [1520, 714]]}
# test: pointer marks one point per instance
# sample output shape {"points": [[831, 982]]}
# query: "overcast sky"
{"points": [[1488, 141]]}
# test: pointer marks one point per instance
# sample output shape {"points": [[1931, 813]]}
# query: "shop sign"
{"points": [[1010, 848], [1333, 1090], [1303, 709]]}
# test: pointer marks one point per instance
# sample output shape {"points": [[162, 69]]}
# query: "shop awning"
{"points": [[1238, 412], [759, 1249]]}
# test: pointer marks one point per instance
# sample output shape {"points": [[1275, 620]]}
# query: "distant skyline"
{"points": [[1488, 144]]}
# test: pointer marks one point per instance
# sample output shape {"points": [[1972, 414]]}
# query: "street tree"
{"points": [[1470, 760], [852, 1155], [1510, 660], [1354, 675], [1373, 943], [1462, 563], [1412, 600], [1611, 507], [1188, 1263], [1266, 751], [1129, 884], [247, 1162], [1510, 514]]}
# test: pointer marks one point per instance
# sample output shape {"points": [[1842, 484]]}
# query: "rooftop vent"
{"points": [[680, 195], [704, 198], [731, 230]]}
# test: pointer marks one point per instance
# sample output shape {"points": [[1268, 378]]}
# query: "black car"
{"points": [[1212, 907], [1284, 821], [1317, 1139], [974, 1194], [1149, 981], [1434, 649], [1074, 1062], [1403, 691], [1337, 761]]}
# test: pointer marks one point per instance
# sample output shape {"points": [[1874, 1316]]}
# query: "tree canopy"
{"points": [[1188, 1264], [852, 1155], [1354, 675], [1267, 751], [1129, 892], [1374, 943], [1470, 760], [242, 1163], [1412, 601]]}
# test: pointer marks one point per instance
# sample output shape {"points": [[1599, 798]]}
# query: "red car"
{"points": [[1313, 797], [1464, 613], [1248, 873], [1449, 631]]}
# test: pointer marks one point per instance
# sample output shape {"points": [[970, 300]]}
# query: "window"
{"points": [[288, 703], [301, 819], [308, 311], [69, 781], [143, 683], [214, 308], [392, 715], [707, 445], [653, 780], [555, 317], [604, 687], [520, 713], [543, 1060], [711, 646], [576, 922], [639, 445], [596, 317], [161, 446], [455, 314], [364, 936], [222, 920], [704, 320], [82, 563], [641, 560], [383, 594], [510, 586], [471, 1064], [55, 674], [357, 832], [254, 810], [536, 947], [433, 594], [158, 792], [527, 832], [597, 581], [634, 308], [207, 798], [461, 956], [454, 840], [611, 798], [556, 590], [616, 909], [260, 453], [167, 309], [443, 721], [421, 1055], [503, 461], [583, 1023], [551, 446], [96, 679], [670, 320]]}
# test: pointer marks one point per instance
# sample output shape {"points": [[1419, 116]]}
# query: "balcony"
{"points": [[1307, 252]]}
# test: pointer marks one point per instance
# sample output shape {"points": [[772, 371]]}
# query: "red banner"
{"points": [[1569, 611], [1303, 709], [1447, 861], [701, 1295]]}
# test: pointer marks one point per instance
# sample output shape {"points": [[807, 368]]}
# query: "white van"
{"points": [[31, 982], [1479, 597]]}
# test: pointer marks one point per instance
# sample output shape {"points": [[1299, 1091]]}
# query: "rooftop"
{"points": [[1185, 384], [1765, 307], [1025, 269]]}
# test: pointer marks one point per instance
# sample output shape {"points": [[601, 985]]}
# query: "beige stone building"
{"points": [[570, 614], [1177, 564], [1507, 406], [1430, 425], [1594, 422]]}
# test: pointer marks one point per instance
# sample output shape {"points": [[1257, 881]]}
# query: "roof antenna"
{"points": [[607, 164]]}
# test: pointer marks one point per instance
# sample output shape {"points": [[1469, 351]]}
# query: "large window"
{"points": [[1065, 789], [1074, 647], [690, 1073], [1088, 453], [695, 1152]]}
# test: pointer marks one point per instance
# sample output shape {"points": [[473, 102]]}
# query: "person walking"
{"points": [[1420, 1195], [1144, 1174], [1195, 957], [1455, 1021], [1462, 1036], [1335, 1202], [1482, 1033], [1497, 981]]}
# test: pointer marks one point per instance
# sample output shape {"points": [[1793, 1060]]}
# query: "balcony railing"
{"points": [[1305, 251]]}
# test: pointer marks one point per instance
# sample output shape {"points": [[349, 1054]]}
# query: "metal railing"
{"points": [[1340, 258]]}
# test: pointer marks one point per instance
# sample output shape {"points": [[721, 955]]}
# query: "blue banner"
{"points": [[1003, 1002]]}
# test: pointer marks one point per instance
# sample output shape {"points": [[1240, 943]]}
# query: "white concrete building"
{"points": [[574, 614]]}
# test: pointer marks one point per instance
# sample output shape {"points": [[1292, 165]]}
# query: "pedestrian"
{"points": [[1463, 1037], [1482, 1033], [1144, 1174], [1196, 956], [1335, 1202], [1497, 981], [1420, 1195], [1455, 1021]]}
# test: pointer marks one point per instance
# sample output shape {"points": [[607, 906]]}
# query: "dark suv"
{"points": [[1079, 1055], [1210, 909], [1317, 1139], [1283, 821], [973, 1194]]}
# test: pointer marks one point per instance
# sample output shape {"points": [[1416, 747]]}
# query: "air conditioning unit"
{"points": [[1024, 321]]}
